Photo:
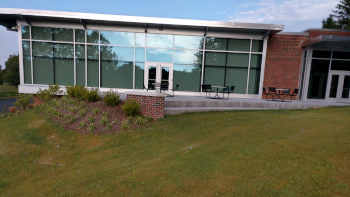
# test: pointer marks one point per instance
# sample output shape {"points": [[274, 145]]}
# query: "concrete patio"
{"points": [[181, 104]]}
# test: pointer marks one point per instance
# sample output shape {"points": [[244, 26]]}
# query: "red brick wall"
{"points": [[37, 101], [315, 33], [283, 61], [150, 106]]}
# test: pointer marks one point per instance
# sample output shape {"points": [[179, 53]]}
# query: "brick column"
{"points": [[152, 104]]}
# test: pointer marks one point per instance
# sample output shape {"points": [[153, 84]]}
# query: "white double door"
{"points": [[157, 72], [338, 87]]}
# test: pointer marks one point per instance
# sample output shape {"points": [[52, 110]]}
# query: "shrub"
{"points": [[24, 102], [96, 111], [91, 127], [104, 121], [115, 121], [77, 91], [12, 109], [92, 95], [91, 119], [48, 94], [105, 114], [81, 125], [125, 125], [131, 108], [111, 98]]}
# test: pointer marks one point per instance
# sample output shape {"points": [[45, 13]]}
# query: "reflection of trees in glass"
{"points": [[56, 34], [199, 54], [213, 43], [92, 36]]}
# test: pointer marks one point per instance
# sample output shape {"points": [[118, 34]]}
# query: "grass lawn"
{"points": [[242, 153], [8, 92]]}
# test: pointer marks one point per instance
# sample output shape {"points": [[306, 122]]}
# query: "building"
{"points": [[127, 53]]}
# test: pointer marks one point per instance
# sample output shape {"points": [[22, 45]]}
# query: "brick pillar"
{"points": [[152, 106]]}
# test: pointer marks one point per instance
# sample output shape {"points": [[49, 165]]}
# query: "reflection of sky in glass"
{"points": [[184, 68], [140, 39], [189, 42], [140, 54], [117, 38], [160, 40], [187, 57], [160, 55], [117, 53]]}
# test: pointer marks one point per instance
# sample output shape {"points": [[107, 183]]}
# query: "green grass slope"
{"points": [[243, 153]]}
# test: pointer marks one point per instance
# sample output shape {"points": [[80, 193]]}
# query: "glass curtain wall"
{"points": [[228, 62], [117, 59], [322, 62]]}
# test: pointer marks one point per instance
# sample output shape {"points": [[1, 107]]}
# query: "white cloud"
{"points": [[296, 15]]}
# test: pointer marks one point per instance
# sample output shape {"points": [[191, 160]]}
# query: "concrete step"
{"points": [[239, 105], [180, 110]]}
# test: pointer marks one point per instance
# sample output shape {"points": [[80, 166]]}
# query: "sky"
{"points": [[296, 15]]}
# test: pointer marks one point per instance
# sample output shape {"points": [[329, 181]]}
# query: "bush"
{"points": [[92, 95], [77, 91], [48, 94], [24, 102], [131, 108], [111, 98]]}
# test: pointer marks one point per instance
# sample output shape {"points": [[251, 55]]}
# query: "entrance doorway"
{"points": [[338, 88], [157, 72]]}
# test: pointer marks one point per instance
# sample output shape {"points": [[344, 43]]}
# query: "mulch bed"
{"points": [[115, 112]]}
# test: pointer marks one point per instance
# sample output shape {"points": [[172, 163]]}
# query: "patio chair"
{"points": [[207, 89], [272, 92], [164, 85], [285, 93], [175, 89], [227, 90], [295, 93]]}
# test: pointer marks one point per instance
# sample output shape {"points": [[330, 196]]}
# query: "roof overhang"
{"points": [[324, 40], [9, 17]]}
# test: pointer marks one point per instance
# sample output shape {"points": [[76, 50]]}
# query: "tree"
{"points": [[11, 73], [1, 77], [341, 17]]}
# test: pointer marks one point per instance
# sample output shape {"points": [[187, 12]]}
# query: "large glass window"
{"points": [[254, 74], [238, 45], [27, 68], [302, 74], [117, 38], [237, 71], [54, 34], [117, 67], [216, 43], [80, 64], [25, 32], [140, 54], [340, 65], [43, 65], [92, 36], [160, 40], [188, 57], [318, 79], [92, 66], [79, 35], [257, 46], [189, 42], [64, 64], [159, 55], [139, 75], [140, 39]]}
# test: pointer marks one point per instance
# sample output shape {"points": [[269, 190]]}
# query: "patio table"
{"points": [[278, 95], [217, 91]]}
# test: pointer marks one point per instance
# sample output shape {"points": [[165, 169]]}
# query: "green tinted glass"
{"points": [[214, 76], [42, 49], [92, 36], [116, 74], [189, 42], [43, 70], [188, 76], [79, 35], [237, 77], [216, 43], [188, 57], [139, 75], [92, 66], [26, 47], [25, 32], [80, 72], [62, 34], [257, 45], [254, 81], [27, 69], [237, 60], [42, 33], [238, 45], [255, 61], [64, 71], [215, 59]]}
